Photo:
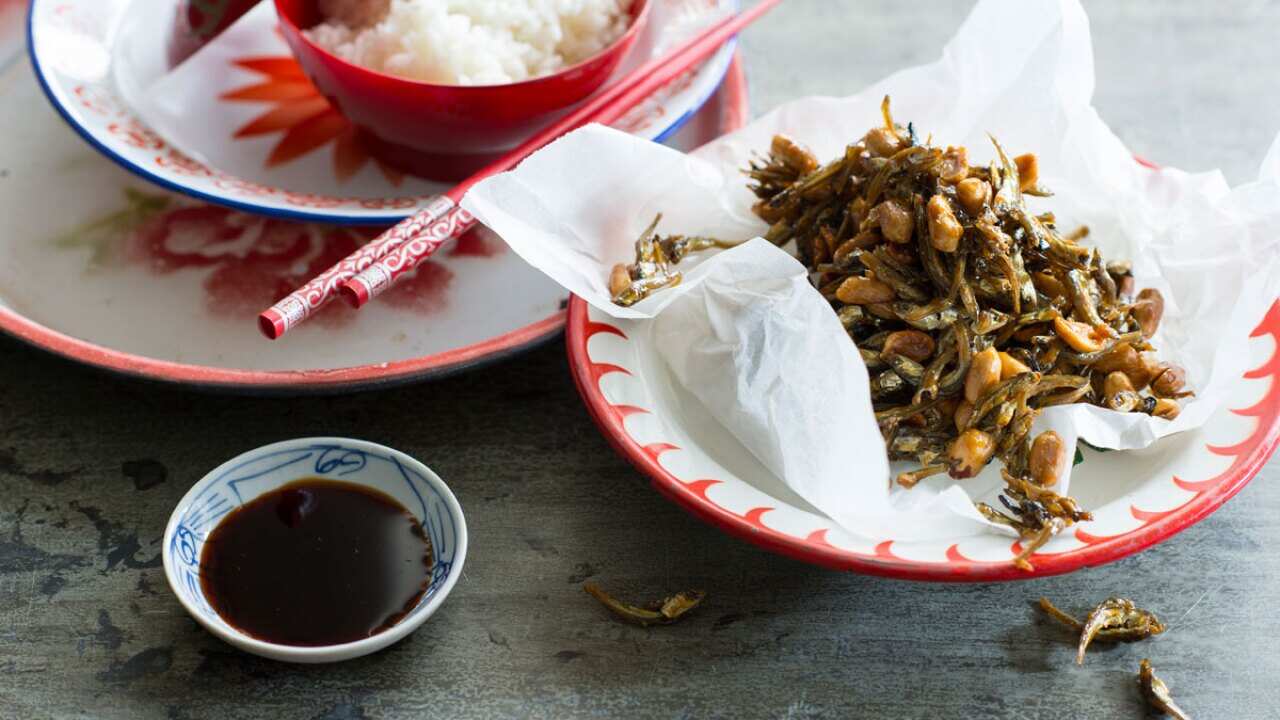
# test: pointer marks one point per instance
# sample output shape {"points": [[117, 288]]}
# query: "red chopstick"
{"points": [[371, 269]]}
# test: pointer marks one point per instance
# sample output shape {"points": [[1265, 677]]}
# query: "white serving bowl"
{"points": [[267, 468]]}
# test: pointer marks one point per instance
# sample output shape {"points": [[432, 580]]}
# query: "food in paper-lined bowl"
{"points": [[936, 314], [971, 313], [1136, 498]]}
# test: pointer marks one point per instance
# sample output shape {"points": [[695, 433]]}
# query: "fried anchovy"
{"points": [[1140, 630], [1157, 693], [1122, 618], [655, 263], [664, 612]]}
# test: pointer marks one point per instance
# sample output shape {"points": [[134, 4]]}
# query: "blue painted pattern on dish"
{"points": [[223, 494]]}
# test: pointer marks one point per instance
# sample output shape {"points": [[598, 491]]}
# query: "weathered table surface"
{"points": [[90, 467]]}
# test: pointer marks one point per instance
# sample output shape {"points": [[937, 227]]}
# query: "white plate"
{"points": [[99, 267], [91, 55]]}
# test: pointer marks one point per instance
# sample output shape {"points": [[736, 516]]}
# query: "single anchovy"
{"points": [[663, 612], [1157, 693]]}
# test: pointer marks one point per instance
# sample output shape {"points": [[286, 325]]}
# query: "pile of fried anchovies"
{"points": [[971, 311]]}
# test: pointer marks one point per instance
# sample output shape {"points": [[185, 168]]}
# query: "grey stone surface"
{"points": [[90, 467]]}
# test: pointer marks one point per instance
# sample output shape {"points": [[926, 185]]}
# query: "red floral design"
{"points": [[304, 116], [248, 261], [137, 135], [257, 261], [97, 100], [477, 242], [179, 162]]}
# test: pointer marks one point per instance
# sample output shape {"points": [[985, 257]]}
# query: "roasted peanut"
{"points": [[1117, 392], [1119, 357], [858, 210], [1081, 337], [973, 194], [1125, 286], [963, 412], [1116, 382], [970, 452], [882, 310], [1024, 334], [1151, 366], [1169, 381], [1028, 170], [944, 229], [947, 406], [861, 241], [1166, 408], [882, 142], [896, 223], [864, 291], [908, 343], [1140, 367], [1048, 459], [1148, 309], [769, 212], [619, 279], [1010, 366], [1048, 284], [842, 253], [795, 155], [984, 373], [955, 165]]}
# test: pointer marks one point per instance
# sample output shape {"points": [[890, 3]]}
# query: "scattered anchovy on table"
{"points": [[663, 612], [1113, 620], [1157, 693]]}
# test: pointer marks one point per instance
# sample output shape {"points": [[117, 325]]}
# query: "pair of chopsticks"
{"points": [[373, 268]]}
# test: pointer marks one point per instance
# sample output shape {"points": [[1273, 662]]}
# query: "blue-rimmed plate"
{"points": [[256, 135]]}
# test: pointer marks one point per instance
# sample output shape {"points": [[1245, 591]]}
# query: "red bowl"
{"points": [[445, 132]]}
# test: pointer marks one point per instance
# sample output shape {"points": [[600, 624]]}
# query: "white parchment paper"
{"points": [[760, 348]]}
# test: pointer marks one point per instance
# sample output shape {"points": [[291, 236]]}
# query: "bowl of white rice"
{"points": [[439, 88]]}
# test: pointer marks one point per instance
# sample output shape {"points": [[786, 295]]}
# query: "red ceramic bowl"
{"points": [[445, 132]]}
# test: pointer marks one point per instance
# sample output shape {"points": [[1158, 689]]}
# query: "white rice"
{"points": [[474, 42]]}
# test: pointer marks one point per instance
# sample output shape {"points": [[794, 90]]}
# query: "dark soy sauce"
{"points": [[316, 562]]}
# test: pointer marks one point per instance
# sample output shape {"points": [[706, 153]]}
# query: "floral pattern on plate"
{"points": [[254, 260]]}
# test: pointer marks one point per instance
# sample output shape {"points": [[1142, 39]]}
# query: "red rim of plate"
{"points": [[1249, 457], [733, 90]]}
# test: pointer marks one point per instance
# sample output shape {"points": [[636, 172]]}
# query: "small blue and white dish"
{"points": [[240, 480]]}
